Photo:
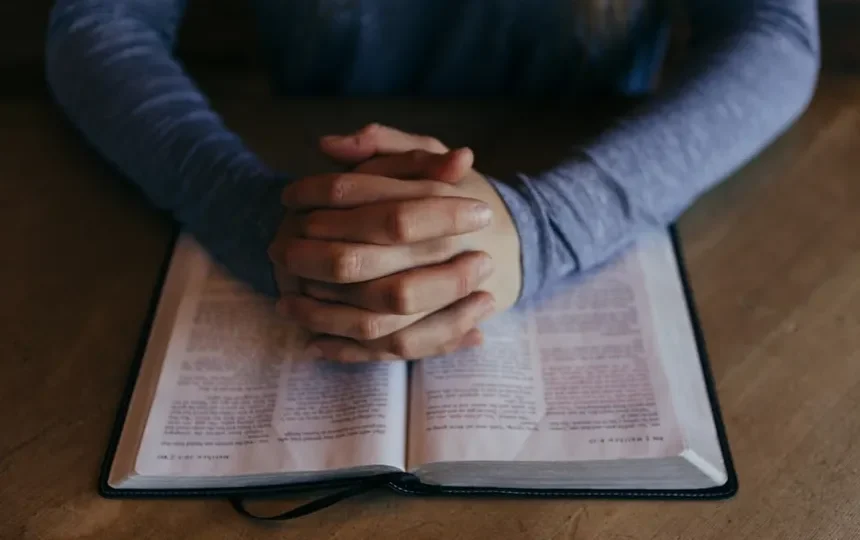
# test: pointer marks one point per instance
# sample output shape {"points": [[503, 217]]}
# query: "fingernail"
{"points": [[481, 214], [473, 339], [313, 352], [486, 267], [488, 308], [459, 152]]}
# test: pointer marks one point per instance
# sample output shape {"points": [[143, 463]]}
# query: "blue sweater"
{"points": [[752, 70]]}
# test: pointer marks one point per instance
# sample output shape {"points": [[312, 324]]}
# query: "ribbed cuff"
{"points": [[569, 219]]}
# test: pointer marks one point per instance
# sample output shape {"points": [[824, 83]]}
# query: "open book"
{"points": [[601, 389]]}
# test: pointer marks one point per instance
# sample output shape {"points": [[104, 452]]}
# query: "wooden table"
{"points": [[774, 258]]}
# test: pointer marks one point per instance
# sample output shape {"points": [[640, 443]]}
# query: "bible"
{"points": [[601, 389]]}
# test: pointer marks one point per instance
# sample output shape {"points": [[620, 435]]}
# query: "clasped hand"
{"points": [[400, 258]]}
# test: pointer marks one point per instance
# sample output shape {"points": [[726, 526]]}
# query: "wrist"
{"points": [[501, 240], [520, 220]]}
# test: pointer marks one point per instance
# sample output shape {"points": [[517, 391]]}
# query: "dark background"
{"points": [[219, 35]]}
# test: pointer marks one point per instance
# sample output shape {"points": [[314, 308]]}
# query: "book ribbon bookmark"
{"points": [[362, 486]]}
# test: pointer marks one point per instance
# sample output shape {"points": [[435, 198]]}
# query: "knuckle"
{"points": [[369, 328], [340, 187], [463, 282], [347, 265], [400, 299], [369, 135], [370, 130], [401, 225]]}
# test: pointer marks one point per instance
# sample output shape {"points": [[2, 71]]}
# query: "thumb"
{"points": [[450, 167], [375, 140]]}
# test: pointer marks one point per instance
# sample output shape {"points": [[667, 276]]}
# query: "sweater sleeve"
{"points": [[110, 67], [753, 71]]}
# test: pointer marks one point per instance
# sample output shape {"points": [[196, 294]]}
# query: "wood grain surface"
{"points": [[773, 256]]}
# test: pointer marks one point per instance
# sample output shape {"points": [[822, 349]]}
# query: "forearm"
{"points": [[748, 81], [110, 67]]}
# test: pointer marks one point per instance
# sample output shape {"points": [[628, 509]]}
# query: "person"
{"points": [[403, 256]]}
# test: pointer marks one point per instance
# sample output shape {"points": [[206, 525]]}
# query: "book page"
{"points": [[577, 377], [234, 397]]}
